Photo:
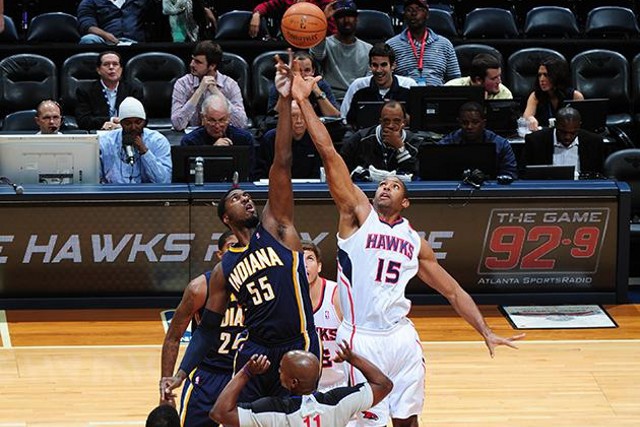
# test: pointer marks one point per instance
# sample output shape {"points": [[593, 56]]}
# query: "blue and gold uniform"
{"points": [[270, 283], [205, 383]]}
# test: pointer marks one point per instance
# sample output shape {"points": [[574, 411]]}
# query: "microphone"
{"points": [[127, 143], [17, 188]]}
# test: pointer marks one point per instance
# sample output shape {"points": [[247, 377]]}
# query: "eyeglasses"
{"points": [[212, 122]]}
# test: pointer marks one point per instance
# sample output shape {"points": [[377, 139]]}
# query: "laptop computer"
{"points": [[368, 113], [592, 111], [556, 172], [448, 162], [502, 116]]}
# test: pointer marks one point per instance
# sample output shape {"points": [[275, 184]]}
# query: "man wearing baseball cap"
{"points": [[343, 56], [421, 54], [134, 154]]}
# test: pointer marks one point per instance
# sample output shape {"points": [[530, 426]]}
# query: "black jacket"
{"points": [[538, 150], [92, 109], [363, 149]]}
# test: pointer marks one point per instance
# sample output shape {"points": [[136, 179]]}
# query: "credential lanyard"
{"points": [[415, 51]]}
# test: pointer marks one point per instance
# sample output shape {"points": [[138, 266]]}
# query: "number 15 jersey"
{"points": [[374, 266]]}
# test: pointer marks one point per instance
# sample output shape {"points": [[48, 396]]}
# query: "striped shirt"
{"points": [[440, 63]]}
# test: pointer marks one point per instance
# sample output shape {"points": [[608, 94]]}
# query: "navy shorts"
{"points": [[268, 384], [199, 393]]}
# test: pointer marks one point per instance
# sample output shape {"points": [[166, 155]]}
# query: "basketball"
{"points": [[304, 25]]}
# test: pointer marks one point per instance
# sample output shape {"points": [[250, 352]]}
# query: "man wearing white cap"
{"points": [[134, 154]]}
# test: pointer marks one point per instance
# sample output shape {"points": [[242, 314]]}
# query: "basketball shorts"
{"points": [[398, 353], [199, 393]]}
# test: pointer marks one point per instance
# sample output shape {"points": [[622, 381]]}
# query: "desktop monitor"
{"points": [[368, 113], [447, 162], [50, 159], [435, 108], [502, 116], [557, 172], [219, 162], [593, 113]]}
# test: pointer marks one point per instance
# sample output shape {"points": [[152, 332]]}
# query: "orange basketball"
{"points": [[304, 25]]}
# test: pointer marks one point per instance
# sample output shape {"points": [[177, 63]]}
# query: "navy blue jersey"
{"points": [[270, 282], [230, 335]]}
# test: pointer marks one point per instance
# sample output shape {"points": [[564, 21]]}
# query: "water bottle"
{"points": [[199, 180]]}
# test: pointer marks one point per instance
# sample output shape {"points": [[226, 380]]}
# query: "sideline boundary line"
{"points": [[159, 346]]}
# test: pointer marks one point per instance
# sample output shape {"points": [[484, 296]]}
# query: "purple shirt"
{"points": [[185, 114]]}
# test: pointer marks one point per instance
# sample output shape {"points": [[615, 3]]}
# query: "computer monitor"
{"points": [[502, 116], [219, 162], [368, 113], [435, 108], [593, 113], [50, 159], [447, 162], [558, 172]]}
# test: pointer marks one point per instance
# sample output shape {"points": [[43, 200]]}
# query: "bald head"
{"points": [[300, 372]]}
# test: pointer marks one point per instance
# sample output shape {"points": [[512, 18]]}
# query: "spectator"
{"points": [[190, 90], [134, 154], [326, 315], [387, 146], [276, 8], [112, 21], [322, 99], [299, 371], [486, 71], [97, 105], [306, 161], [48, 117], [342, 56], [423, 55], [163, 416], [566, 144], [186, 19], [552, 86], [472, 130], [382, 85], [217, 130]]}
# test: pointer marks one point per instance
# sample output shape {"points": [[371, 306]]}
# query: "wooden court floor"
{"points": [[101, 368]]}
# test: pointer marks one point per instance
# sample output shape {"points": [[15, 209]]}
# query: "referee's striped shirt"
{"points": [[440, 63]]}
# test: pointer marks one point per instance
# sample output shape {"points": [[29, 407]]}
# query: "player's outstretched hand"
{"points": [[167, 385], [492, 341], [284, 74], [343, 353], [257, 365], [302, 86]]}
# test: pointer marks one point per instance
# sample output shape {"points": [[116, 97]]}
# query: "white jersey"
{"points": [[374, 266], [327, 321]]}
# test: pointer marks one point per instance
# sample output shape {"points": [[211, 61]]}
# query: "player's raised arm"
{"points": [[277, 216], [432, 273], [351, 202]]}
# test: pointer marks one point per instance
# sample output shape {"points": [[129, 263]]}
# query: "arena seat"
{"points": [[490, 22], [156, 72], [466, 53], [234, 25], [601, 73], [237, 68], [25, 80], [611, 21], [78, 71], [374, 25], [263, 73], [10, 34], [522, 69], [53, 27], [22, 120], [551, 21], [443, 23]]}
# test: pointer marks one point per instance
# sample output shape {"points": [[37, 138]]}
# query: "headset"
{"points": [[474, 178]]}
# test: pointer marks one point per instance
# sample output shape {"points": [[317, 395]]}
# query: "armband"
{"points": [[205, 337]]}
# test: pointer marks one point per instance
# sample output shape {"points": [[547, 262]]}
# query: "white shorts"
{"points": [[398, 353]]}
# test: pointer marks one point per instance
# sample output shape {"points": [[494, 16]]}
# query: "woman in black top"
{"points": [[552, 87]]}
